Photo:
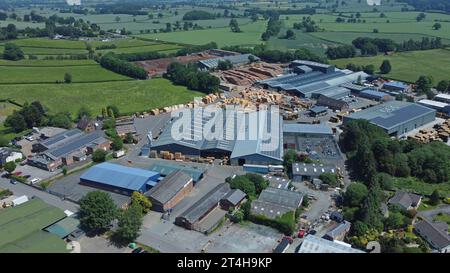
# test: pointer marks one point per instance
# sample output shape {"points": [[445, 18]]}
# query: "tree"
{"points": [[234, 26], [99, 156], [130, 222], [64, 170], [84, 112], [114, 109], [16, 121], [435, 198], [290, 34], [442, 86], [385, 67], [97, 211], [4, 141], [138, 198], [67, 78], [10, 167], [13, 52], [61, 120], [437, 26], [129, 138], [394, 221], [117, 144], [329, 179], [355, 194], [424, 84], [224, 65]]}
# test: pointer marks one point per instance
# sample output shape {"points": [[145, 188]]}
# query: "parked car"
{"points": [[27, 176], [17, 173], [301, 233], [137, 250], [312, 232], [12, 181], [35, 180], [289, 238]]}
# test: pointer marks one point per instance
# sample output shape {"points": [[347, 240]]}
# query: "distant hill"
{"points": [[443, 5]]}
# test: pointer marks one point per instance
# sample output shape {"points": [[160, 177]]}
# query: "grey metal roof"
{"points": [[314, 244], [235, 196], [296, 128], [166, 169], [270, 210], [234, 59], [277, 182], [434, 233], [60, 138], [282, 197], [310, 63], [166, 189], [333, 92], [206, 203], [392, 113], [75, 143]]}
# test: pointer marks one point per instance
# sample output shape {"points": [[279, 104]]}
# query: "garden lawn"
{"points": [[128, 96], [408, 66], [411, 184]]}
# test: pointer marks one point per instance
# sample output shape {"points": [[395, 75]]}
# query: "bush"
{"points": [[99, 156], [284, 224], [141, 200]]}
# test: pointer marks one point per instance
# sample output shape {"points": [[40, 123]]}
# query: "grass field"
{"points": [[408, 66], [129, 96], [147, 48], [49, 74], [250, 35]]}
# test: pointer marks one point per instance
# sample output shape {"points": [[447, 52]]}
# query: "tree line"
{"points": [[111, 62]]}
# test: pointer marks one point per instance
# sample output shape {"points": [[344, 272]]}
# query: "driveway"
{"points": [[430, 214]]}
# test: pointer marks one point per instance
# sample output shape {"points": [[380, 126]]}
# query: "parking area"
{"points": [[33, 172], [69, 187]]}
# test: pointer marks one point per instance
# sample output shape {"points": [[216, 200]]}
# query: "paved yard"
{"points": [[99, 244]]}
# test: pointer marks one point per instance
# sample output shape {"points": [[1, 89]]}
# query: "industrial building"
{"points": [[333, 104], [397, 86], [436, 105], [395, 117], [310, 171], [119, 179], [240, 151], [193, 217], [165, 169], [67, 147], [170, 191], [338, 232], [375, 95], [240, 59], [314, 244], [275, 202], [9, 155], [442, 98], [310, 79]]}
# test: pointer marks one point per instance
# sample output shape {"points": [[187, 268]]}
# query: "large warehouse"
{"points": [[311, 79], [240, 151], [119, 179], [396, 117]]}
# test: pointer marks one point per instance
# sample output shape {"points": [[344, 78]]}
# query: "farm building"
{"points": [[338, 232], [397, 86], [240, 151], [405, 200], [277, 181], [442, 98], [86, 124], [193, 217], [395, 117], [233, 199], [240, 59], [436, 105], [356, 88], [333, 104], [170, 191], [119, 179], [66, 147], [375, 95], [23, 227], [64, 227], [274, 202], [314, 244], [318, 79], [310, 171]]}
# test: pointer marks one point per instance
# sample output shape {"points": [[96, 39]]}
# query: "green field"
{"points": [[250, 35], [49, 74], [147, 48], [408, 66], [129, 96]]}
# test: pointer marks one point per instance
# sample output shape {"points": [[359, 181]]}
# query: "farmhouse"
{"points": [[406, 200], [86, 124], [119, 179], [170, 191], [311, 79], [435, 233], [274, 202], [395, 117]]}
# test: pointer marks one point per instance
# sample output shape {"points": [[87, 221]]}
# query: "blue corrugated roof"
{"points": [[373, 93], [396, 84], [402, 115], [120, 176]]}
